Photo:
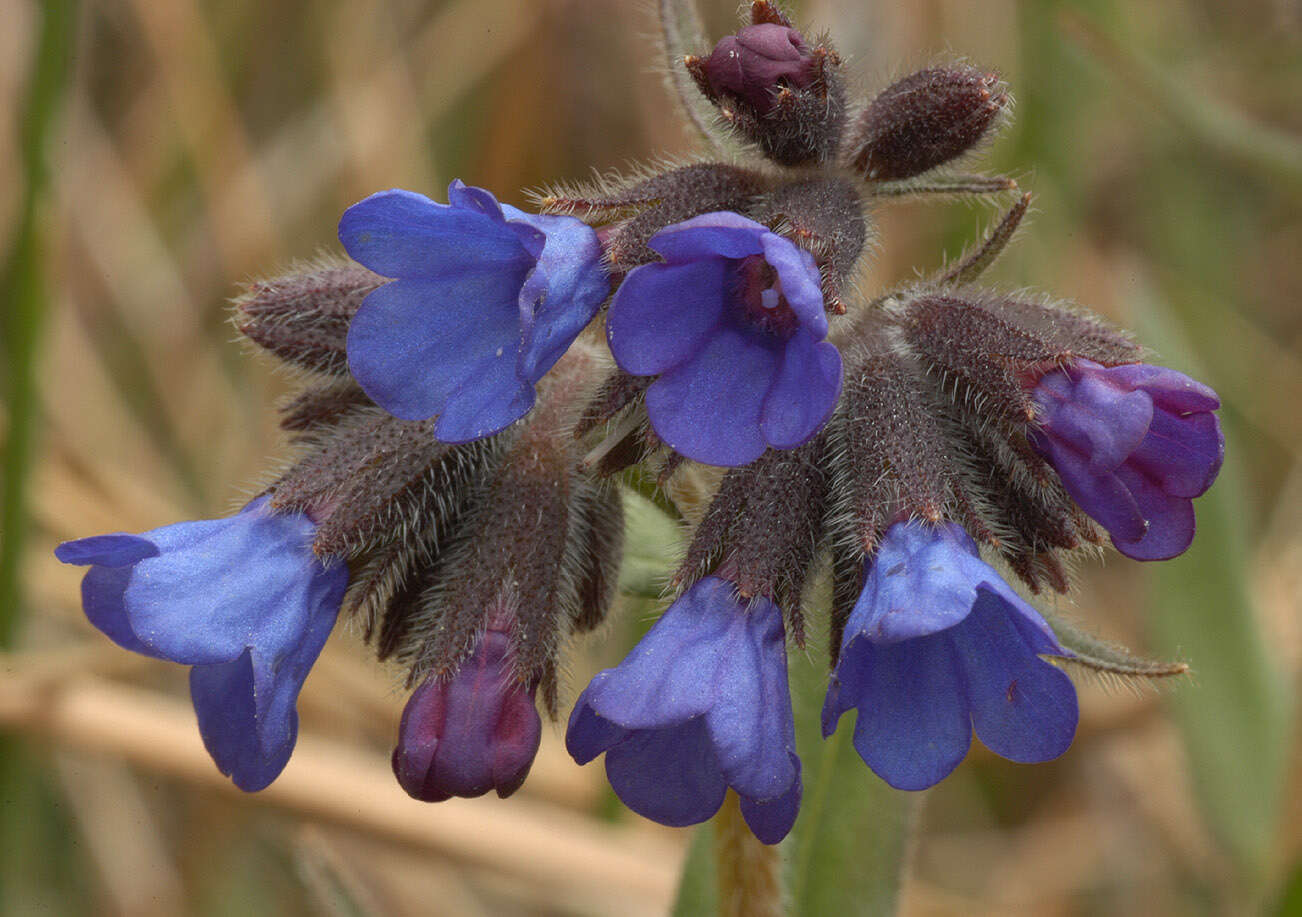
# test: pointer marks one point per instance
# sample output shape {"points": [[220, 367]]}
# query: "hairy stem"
{"points": [[750, 883]]}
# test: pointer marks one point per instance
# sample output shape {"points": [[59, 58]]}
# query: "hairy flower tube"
{"points": [[699, 706], [243, 600], [473, 732], [937, 646], [485, 299], [1133, 445], [733, 323]]}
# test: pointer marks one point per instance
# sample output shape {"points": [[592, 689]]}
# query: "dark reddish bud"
{"points": [[758, 61], [776, 90], [471, 733], [372, 476], [898, 461], [925, 120], [302, 317]]}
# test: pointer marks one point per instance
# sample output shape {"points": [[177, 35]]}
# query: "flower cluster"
{"points": [[462, 433]]}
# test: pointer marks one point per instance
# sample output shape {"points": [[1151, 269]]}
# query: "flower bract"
{"points": [[243, 600], [699, 706], [937, 646]]}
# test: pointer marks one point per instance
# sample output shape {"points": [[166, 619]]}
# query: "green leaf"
{"points": [[1236, 714], [652, 548], [1107, 658], [846, 852], [698, 889]]}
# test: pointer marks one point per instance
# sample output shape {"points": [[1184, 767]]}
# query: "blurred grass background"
{"points": [[156, 152]]}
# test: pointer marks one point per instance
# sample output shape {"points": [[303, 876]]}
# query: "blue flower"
{"points": [[243, 600], [939, 645], [733, 323], [473, 732], [1133, 445], [486, 299], [700, 705]]}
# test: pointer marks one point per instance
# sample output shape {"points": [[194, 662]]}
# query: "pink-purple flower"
{"points": [[472, 732], [758, 61], [1133, 444]]}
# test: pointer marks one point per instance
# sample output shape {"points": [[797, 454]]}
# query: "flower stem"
{"points": [[750, 873]]}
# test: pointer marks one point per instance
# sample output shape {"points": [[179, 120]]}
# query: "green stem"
{"points": [[24, 303], [23, 306], [812, 809]]}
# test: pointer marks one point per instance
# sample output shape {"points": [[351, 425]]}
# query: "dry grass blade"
{"points": [[339, 785]]}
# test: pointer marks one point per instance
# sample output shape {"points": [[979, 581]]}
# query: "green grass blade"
{"points": [[1236, 715]]}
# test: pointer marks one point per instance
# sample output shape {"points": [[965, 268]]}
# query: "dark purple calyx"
{"points": [[759, 291], [757, 62], [471, 733], [925, 120]]}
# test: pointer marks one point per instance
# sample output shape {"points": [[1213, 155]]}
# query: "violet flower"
{"points": [[733, 323], [485, 300], [243, 600], [939, 645], [699, 706]]}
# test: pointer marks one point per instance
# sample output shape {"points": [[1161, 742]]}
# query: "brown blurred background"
{"points": [[189, 145]]}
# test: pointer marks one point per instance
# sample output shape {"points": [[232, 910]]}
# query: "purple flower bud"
{"points": [[471, 733], [757, 61], [925, 120], [302, 317], [1133, 445]]}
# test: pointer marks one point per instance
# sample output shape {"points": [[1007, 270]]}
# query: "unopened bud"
{"points": [[302, 317], [471, 733], [925, 120], [758, 61], [776, 90]]}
